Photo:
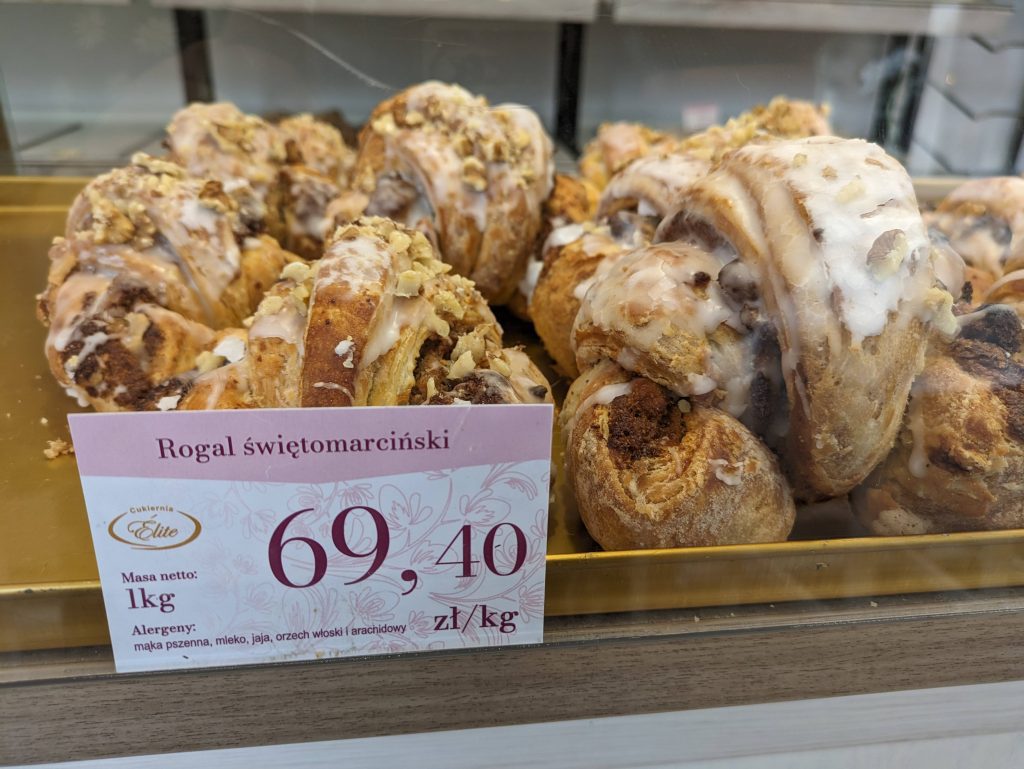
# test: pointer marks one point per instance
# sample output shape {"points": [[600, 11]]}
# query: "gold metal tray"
{"points": [[49, 589]]}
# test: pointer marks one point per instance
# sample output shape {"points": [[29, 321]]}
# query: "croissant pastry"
{"points": [[958, 464], [629, 210], [984, 222], [673, 314], [616, 145], [283, 177], [471, 176], [151, 264], [829, 235], [651, 186], [377, 321], [652, 470], [572, 256], [318, 146]]}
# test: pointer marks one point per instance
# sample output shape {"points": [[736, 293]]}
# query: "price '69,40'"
{"points": [[459, 552]]}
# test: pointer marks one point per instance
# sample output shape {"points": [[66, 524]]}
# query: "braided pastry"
{"points": [[151, 264], [958, 464], [377, 321], [651, 470], [472, 177]]}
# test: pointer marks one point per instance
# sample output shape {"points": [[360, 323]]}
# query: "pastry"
{"points": [[283, 176], [674, 314], [835, 254], [958, 464], [653, 470], [572, 201], [152, 263], [629, 210], [318, 146], [378, 321], [616, 145], [984, 222], [472, 177], [619, 144], [572, 256]]}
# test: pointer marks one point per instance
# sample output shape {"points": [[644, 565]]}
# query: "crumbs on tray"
{"points": [[57, 448]]}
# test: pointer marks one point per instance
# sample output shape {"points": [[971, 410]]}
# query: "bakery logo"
{"points": [[154, 527]]}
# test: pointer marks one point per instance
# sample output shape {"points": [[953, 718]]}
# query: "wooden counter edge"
{"points": [[590, 667]]}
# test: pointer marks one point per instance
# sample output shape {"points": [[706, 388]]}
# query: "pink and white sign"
{"points": [[234, 537]]}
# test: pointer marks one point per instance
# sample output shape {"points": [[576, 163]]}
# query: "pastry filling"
{"points": [[983, 350], [643, 421]]}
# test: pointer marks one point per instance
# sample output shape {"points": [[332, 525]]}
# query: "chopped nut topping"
{"points": [[850, 191], [462, 366], [271, 304], [474, 173], [385, 124], [887, 254], [56, 448], [208, 361], [399, 241], [940, 303], [799, 161], [828, 172], [501, 366], [409, 283], [296, 271]]}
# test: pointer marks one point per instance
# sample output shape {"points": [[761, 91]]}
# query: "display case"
{"points": [[761, 259]]}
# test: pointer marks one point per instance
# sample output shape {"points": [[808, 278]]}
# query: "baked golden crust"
{"points": [[472, 177], [615, 146], [649, 470], [572, 201], [958, 463], [318, 145], [572, 256]]}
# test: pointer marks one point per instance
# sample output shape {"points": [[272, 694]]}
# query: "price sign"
{"points": [[235, 537]]}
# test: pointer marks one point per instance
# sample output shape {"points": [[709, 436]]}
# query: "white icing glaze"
{"points": [[196, 216], [649, 295], [78, 394], [563, 236], [729, 473], [70, 308], [656, 181], [853, 193], [168, 402], [529, 281], [917, 463], [231, 347], [288, 325]]}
